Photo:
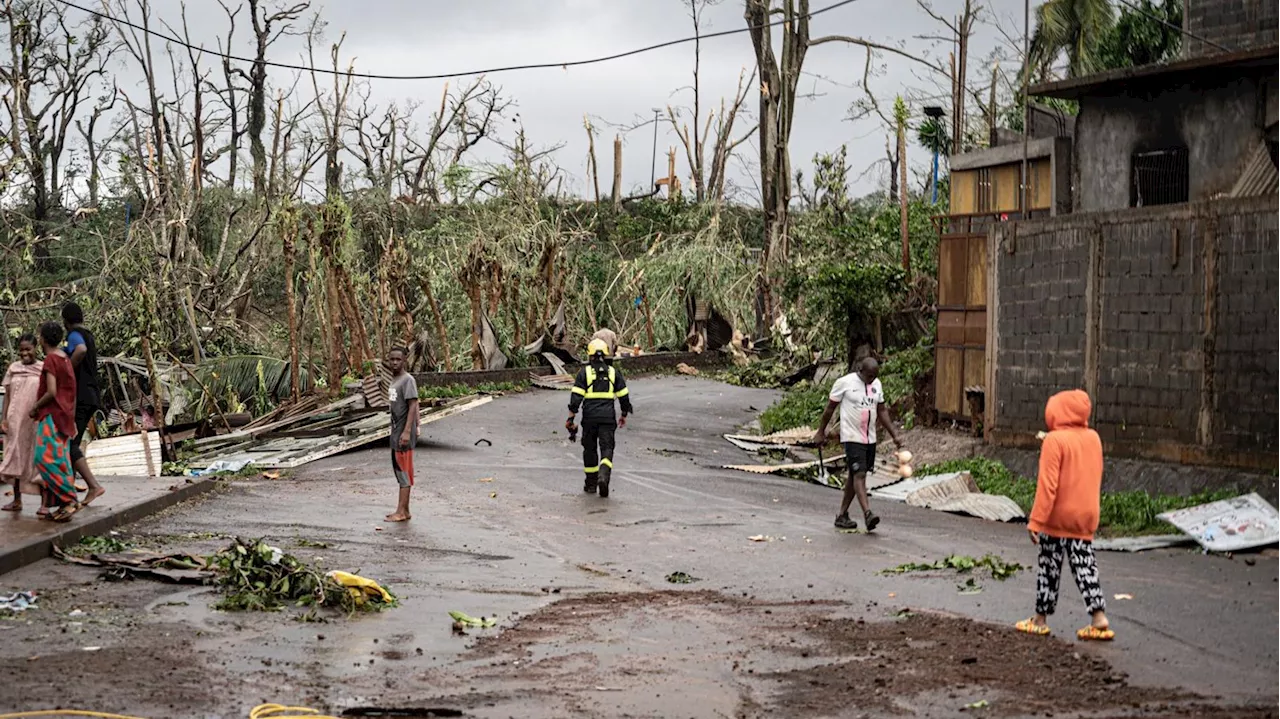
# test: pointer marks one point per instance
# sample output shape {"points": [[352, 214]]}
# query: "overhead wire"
{"points": [[445, 75]]}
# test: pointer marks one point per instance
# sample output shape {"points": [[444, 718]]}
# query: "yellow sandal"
{"points": [[1095, 634], [1028, 626]]}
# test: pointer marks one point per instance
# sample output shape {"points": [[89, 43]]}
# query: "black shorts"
{"points": [[83, 416], [860, 457]]}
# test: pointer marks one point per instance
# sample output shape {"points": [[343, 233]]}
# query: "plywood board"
{"points": [[963, 198], [975, 370], [1006, 190], [952, 273], [950, 379], [975, 328], [951, 327], [976, 272]]}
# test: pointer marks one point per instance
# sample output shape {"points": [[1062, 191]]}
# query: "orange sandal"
{"points": [[1095, 634], [1028, 626]]}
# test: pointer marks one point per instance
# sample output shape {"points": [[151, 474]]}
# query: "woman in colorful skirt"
{"points": [[55, 416], [21, 388]]}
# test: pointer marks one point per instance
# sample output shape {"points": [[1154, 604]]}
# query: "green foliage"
{"points": [[254, 576], [801, 406], [1139, 38], [899, 374], [1075, 28], [962, 564], [762, 375], [1123, 514], [453, 391], [99, 544], [934, 134]]}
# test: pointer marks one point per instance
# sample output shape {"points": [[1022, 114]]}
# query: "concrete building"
{"points": [[1157, 291]]}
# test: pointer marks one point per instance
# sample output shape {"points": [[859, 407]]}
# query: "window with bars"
{"points": [[1160, 177]]}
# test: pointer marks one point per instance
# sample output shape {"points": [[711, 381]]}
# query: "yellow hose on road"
{"points": [[262, 711]]}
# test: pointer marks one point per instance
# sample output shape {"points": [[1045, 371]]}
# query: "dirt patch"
{"points": [[931, 445], [756, 659], [929, 660]]}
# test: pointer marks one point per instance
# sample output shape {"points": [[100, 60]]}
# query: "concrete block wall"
{"points": [[1168, 316], [1233, 24], [1246, 344], [1040, 323], [1150, 325]]}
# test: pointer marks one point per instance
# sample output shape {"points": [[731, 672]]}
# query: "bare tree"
{"points": [[53, 65], [779, 77], [268, 26], [464, 119]]}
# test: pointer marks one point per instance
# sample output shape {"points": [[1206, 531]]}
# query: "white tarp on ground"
{"points": [[1229, 525], [1140, 544]]}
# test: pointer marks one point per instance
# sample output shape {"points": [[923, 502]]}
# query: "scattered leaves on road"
{"points": [[682, 578], [962, 564]]}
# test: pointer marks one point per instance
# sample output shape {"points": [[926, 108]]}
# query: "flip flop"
{"points": [[1028, 626], [11, 507], [1094, 634]]}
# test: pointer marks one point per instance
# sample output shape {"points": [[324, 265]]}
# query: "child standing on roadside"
{"points": [[403, 398], [1065, 514]]}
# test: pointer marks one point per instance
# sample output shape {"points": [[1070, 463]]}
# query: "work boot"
{"points": [[872, 520], [589, 486], [605, 471], [843, 522]]}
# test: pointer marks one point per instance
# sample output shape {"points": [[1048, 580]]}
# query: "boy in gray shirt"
{"points": [[403, 398]]}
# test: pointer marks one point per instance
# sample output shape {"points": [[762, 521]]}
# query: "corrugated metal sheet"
{"points": [[992, 507], [1259, 177]]}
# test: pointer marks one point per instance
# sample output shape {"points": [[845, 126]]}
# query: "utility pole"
{"points": [[1026, 101], [653, 163]]}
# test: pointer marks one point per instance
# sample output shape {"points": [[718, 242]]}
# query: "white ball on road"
{"points": [[904, 470], [904, 457]]}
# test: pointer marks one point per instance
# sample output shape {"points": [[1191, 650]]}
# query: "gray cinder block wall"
{"points": [[1167, 316], [1233, 24]]}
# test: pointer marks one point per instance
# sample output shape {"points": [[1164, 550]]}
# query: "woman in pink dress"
{"points": [[21, 389]]}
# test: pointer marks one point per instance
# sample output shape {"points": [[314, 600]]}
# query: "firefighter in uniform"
{"points": [[594, 390]]}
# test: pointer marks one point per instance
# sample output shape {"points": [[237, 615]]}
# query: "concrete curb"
{"points": [[20, 555]]}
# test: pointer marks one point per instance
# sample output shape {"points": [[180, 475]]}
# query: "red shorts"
{"points": [[402, 465]]}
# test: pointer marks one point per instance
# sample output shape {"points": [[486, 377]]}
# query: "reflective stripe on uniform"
{"points": [[579, 390], [607, 463], [622, 392], [590, 392], [593, 470]]}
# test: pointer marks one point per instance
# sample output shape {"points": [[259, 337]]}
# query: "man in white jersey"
{"points": [[861, 401]]}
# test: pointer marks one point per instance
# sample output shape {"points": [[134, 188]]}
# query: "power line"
{"points": [[447, 75], [1168, 24]]}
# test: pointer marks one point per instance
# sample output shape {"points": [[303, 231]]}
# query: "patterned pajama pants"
{"points": [[1049, 573]]}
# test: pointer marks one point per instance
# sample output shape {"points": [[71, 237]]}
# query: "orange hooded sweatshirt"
{"points": [[1069, 490]]}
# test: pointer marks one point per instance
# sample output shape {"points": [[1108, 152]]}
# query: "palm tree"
{"points": [[1074, 27]]}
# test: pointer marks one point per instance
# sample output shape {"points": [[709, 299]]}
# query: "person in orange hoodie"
{"points": [[1065, 515]]}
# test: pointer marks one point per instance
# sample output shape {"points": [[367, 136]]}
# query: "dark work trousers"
{"points": [[597, 447]]}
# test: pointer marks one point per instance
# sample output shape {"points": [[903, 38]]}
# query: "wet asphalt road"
{"points": [[530, 536], [1205, 623]]}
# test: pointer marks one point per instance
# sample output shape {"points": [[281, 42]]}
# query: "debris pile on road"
{"points": [[18, 602], [962, 564], [253, 575], [682, 578]]}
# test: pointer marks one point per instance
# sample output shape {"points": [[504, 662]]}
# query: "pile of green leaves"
{"points": [[254, 576], [1123, 514], [454, 391], [762, 375], [99, 544], [962, 564]]}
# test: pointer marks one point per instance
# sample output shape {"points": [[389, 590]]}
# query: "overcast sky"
{"points": [[430, 36]]}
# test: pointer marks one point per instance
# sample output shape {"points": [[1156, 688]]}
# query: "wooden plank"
{"points": [[975, 328], [974, 368], [963, 183], [1041, 184], [976, 272], [952, 258], [951, 327], [128, 454], [1007, 189], [949, 375], [343, 403]]}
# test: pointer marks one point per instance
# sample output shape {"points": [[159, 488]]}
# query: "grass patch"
{"points": [[453, 391], [801, 406], [1124, 514]]}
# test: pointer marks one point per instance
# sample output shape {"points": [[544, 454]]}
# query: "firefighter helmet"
{"points": [[597, 347]]}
